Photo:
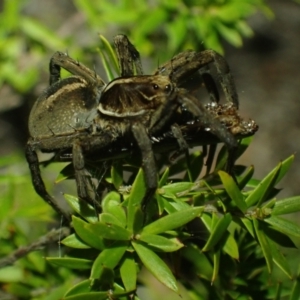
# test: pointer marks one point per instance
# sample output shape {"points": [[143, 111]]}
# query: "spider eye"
{"points": [[167, 87], [155, 86]]}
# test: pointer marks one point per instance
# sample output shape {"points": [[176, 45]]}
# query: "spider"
{"points": [[82, 115]]}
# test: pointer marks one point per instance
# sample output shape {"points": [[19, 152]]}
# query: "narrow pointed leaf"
{"points": [[163, 179], [108, 258], [65, 173], [279, 259], [108, 218], [249, 225], [233, 191], [111, 53], [173, 221], [117, 175], [278, 237], [195, 165], [202, 264], [110, 231], [172, 189], [88, 235], [82, 208], [286, 206], [285, 166], [128, 271], [265, 246], [243, 181], [74, 241], [231, 247], [79, 288], [296, 289], [72, 263], [112, 204], [285, 226], [90, 296], [217, 232], [259, 194], [162, 243], [136, 196], [216, 261], [156, 266]]}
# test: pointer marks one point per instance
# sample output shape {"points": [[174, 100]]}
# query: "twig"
{"points": [[53, 236]]}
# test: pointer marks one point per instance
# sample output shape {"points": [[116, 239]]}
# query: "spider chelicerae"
{"points": [[82, 115]]}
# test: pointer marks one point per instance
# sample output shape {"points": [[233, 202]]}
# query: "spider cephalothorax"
{"points": [[81, 114]]}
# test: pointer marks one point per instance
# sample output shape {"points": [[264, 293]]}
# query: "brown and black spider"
{"points": [[82, 115]]}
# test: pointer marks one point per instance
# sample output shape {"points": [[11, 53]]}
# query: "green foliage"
{"points": [[176, 24], [23, 218], [172, 25], [241, 238], [18, 32], [203, 236]]}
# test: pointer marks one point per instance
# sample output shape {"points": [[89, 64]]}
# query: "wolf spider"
{"points": [[82, 115]]}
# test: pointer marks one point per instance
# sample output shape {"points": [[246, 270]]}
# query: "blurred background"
{"points": [[260, 43]]}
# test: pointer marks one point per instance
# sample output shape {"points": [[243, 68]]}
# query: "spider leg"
{"points": [[38, 182], [177, 133], [129, 57], [214, 125], [61, 60], [148, 161], [81, 176], [187, 63], [210, 86]]}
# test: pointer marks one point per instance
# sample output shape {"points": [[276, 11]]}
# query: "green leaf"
{"points": [[163, 179], [264, 243], [160, 242], [117, 175], [231, 247], [172, 189], [112, 57], [82, 208], [216, 262], [79, 288], [172, 221], [65, 173], [109, 231], [296, 289], [156, 266], [41, 33], [128, 271], [285, 226], [107, 218], [199, 260], [230, 34], [74, 241], [90, 296], [88, 235], [286, 206], [194, 166], [217, 232], [134, 201], [278, 237], [72, 263], [233, 191], [249, 225], [285, 166], [111, 204], [243, 181], [11, 274], [260, 193], [279, 259], [108, 259]]}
